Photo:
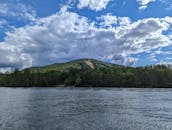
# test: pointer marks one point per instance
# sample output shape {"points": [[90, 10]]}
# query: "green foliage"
{"points": [[79, 73], [78, 81]]}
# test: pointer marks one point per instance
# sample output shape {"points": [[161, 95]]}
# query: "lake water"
{"points": [[85, 109]]}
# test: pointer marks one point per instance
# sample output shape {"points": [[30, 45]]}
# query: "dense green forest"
{"points": [[89, 72]]}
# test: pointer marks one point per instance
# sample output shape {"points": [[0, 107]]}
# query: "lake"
{"points": [[85, 109]]}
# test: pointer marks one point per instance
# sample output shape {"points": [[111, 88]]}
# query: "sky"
{"points": [[126, 32]]}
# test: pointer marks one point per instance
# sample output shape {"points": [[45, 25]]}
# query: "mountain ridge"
{"points": [[78, 64]]}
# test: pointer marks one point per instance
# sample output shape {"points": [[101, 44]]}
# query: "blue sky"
{"points": [[127, 32]]}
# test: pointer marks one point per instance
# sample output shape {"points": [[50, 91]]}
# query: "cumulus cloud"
{"points": [[108, 20], [123, 59], [96, 5], [144, 3], [66, 35]]}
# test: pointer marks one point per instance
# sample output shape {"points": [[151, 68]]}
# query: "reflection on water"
{"points": [[85, 109]]}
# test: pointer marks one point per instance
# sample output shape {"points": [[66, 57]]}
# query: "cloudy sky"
{"points": [[127, 32]]}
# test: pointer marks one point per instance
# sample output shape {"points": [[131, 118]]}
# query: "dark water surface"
{"points": [[85, 109]]}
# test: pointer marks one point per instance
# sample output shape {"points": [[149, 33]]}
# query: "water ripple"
{"points": [[85, 109]]}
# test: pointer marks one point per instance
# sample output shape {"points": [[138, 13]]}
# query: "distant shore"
{"points": [[90, 73]]}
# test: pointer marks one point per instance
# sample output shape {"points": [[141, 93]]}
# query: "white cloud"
{"points": [[152, 57], [168, 58], [144, 3], [168, 64], [167, 3], [108, 20], [17, 10], [96, 5], [6, 70], [161, 52], [122, 58], [3, 22], [124, 21], [65, 36]]}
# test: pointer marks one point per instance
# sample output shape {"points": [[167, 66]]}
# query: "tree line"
{"points": [[149, 76]]}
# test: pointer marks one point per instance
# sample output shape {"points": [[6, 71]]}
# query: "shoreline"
{"points": [[63, 86]]}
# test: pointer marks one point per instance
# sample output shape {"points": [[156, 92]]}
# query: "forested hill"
{"points": [[89, 72]]}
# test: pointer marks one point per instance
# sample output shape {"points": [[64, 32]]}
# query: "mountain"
{"points": [[76, 64], [89, 72]]}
